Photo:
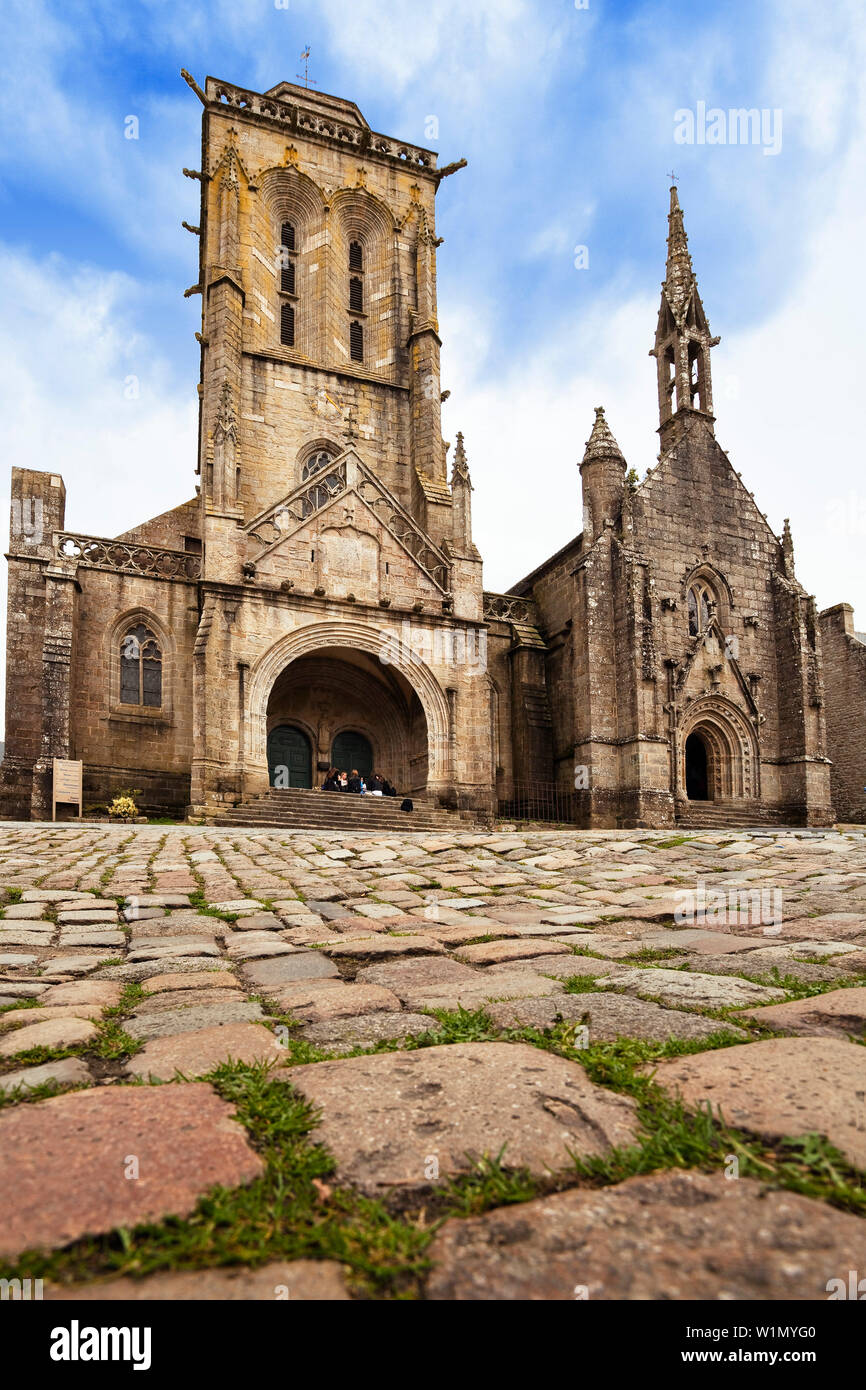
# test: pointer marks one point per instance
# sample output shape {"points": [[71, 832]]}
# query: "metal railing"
{"points": [[542, 801]]}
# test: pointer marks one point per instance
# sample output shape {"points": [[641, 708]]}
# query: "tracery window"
{"points": [[315, 463], [701, 606], [327, 484], [140, 667]]}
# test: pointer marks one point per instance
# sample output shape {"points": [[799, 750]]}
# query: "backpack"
{"points": [[406, 805]]}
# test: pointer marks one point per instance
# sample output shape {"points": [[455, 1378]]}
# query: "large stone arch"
{"points": [[319, 637], [734, 763]]}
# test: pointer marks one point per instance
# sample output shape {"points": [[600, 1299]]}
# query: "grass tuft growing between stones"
{"points": [[677, 1137], [198, 900], [489, 1184], [283, 1215], [583, 984]]}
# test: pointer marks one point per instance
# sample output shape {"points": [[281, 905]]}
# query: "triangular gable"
{"points": [[347, 475], [713, 667]]}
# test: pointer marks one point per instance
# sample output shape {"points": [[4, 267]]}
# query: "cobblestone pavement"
{"points": [[521, 1063]]}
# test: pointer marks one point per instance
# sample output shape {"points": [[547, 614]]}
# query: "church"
{"points": [[320, 600]]}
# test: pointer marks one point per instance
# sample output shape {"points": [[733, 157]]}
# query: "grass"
{"points": [[198, 900], [675, 1137], [803, 989], [111, 1043], [653, 953], [581, 984], [19, 1004], [282, 1215], [488, 1184]]}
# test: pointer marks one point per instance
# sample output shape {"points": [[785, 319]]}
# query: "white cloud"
{"points": [[68, 351]]}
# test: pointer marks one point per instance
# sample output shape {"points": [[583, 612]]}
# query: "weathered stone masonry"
{"points": [[322, 590]]}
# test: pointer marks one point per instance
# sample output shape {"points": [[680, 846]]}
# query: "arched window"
{"points": [[287, 325], [701, 605], [316, 463], [327, 484], [140, 668], [356, 255], [356, 342], [356, 295], [696, 377]]}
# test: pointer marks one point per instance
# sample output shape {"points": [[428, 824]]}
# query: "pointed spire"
{"points": [[679, 272], [683, 339], [461, 496], [601, 443], [602, 474], [787, 549], [461, 465]]}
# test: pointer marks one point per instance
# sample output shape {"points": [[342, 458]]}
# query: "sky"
{"points": [[571, 116]]}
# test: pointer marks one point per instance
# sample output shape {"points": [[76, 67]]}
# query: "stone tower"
{"points": [[683, 339], [320, 600], [324, 486]]}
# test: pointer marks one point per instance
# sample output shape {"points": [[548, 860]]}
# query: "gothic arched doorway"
{"points": [[290, 758], [719, 755], [697, 780], [352, 750]]}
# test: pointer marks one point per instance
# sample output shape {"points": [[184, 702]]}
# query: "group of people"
{"points": [[337, 781]]}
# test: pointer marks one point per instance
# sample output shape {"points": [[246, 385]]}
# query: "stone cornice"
{"points": [[293, 117]]}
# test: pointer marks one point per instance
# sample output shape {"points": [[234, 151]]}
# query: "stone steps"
{"points": [[724, 815], [298, 809]]}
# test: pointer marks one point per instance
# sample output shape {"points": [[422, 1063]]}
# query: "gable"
{"points": [[346, 549], [695, 495], [713, 669]]}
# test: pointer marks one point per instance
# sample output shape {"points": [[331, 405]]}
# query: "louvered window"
{"points": [[356, 295], [287, 325], [356, 342]]}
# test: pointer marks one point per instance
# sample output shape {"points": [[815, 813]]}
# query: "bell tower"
{"points": [[683, 339]]}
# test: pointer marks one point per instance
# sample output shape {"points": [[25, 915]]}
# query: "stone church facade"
{"points": [[321, 600]]}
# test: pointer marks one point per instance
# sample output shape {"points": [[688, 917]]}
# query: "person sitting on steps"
{"points": [[377, 785], [332, 781], [355, 782]]}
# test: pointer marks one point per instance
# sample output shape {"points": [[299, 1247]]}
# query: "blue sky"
{"points": [[567, 118]]}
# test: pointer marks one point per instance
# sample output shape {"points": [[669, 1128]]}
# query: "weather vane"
{"points": [[672, 176], [305, 59]]}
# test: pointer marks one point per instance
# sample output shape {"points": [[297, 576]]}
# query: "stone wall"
{"points": [[845, 691], [141, 748]]}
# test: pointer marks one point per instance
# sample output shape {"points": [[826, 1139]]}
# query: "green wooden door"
{"points": [[352, 750], [290, 762]]}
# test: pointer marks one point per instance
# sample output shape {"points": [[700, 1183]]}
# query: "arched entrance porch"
{"points": [[335, 682], [719, 758]]}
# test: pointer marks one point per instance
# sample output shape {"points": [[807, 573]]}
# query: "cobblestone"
{"points": [[516, 924]]}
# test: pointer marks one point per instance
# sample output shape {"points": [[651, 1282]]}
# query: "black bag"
{"points": [[406, 805]]}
